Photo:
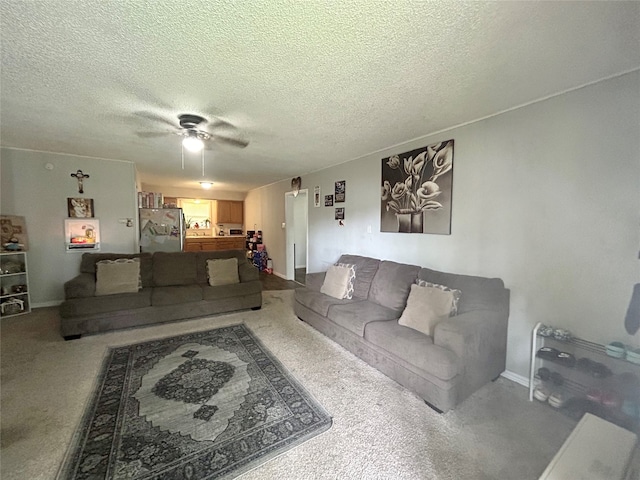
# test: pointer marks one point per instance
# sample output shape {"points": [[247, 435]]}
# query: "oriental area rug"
{"points": [[203, 405]]}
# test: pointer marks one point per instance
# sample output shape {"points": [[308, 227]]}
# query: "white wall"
{"points": [[545, 197], [40, 195]]}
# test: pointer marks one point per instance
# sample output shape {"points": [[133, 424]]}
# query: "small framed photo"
{"points": [[316, 196], [340, 213], [80, 207], [340, 191], [328, 200]]}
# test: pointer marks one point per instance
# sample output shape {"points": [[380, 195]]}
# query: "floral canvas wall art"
{"points": [[417, 189]]}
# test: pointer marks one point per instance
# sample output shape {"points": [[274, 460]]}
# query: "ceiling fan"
{"points": [[190, 127]]}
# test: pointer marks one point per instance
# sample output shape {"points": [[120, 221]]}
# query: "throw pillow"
{"points": [[351, 280], [426, 307], [336, 282], [118, 276], [456, 294], [222, 271]]}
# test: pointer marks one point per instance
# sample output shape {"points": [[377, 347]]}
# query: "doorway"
{"points": [[296, 218]]}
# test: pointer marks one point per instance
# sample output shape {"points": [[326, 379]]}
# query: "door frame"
{"points": [[289, 218]]}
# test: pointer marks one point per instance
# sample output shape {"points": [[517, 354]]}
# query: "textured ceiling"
{"points": [[308, 83]]}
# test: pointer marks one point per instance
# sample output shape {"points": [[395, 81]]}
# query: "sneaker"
{"points": [[541, 393], [557, 399]]}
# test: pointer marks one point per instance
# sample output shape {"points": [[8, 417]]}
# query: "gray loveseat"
{"points": [[174, 286], [465, 351]]}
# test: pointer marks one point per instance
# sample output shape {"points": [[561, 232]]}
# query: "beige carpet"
{"points": [[380, 430]]}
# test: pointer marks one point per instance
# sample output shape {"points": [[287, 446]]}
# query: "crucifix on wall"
{"points": [[80, 177]]}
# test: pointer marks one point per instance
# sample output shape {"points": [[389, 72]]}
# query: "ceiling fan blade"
{"points": [[153, 134], [156, 118], [217, 122], [236, 142]]}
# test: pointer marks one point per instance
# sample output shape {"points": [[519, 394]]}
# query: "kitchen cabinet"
{"points": [[207, 244], [230, 211]]}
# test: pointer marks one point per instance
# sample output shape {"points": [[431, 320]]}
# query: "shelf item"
{"points": [[579, 376], [254, 238], [150, 200], [14, 284]]}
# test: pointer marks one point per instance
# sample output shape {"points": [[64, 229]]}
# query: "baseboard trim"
{"points": [[53, 303], [514, 377], [280, 275]]}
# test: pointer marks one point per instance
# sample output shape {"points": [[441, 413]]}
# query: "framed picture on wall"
{"points": [[80, 207], [13, 233], [328, 200], [316, 196], [340, 191], [340, 213]]}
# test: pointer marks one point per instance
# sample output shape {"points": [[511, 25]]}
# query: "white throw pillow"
{"points": [[456, 293], [118, 276], [336, 281], [426, 307], [351, 280], [223, 271]]}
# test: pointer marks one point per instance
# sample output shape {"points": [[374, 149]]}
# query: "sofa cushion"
{"points": [[227, 291], [456, 293], [426, 307], [336, 281], [201, 264], [354, 316], [478, 293], [319, 302], [89, 260], [174, 268], [176, 294], [415, 349], [107, 303], [222, 271], [391, 284], [365, 269], [118, 276]]}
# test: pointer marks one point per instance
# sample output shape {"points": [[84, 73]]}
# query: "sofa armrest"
{"points": [[479, 340], [84, 285], [247, 272], [314, 281]]}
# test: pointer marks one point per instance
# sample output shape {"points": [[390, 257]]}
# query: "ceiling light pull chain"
{"points": [[182, 155]]}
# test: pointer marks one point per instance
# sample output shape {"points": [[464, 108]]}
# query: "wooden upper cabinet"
{"points": [[230, 211]]}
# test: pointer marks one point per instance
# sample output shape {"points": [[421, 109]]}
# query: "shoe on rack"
{"points": [[544, 373], [541, 393], [600, 370], [556, 378], [566, 359], [557, 399], [548, 353]]}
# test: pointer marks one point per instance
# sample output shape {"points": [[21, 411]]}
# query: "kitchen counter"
{"points": [[208, 243]]}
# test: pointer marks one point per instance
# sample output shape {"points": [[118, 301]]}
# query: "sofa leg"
{"points": [[256, 308], [72, 337], [437, 410]]}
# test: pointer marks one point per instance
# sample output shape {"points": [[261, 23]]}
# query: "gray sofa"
{"points": [[174, 286], [465, 351]]}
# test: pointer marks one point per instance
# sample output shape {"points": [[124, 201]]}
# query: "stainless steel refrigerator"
{"points": [[161, 230]]}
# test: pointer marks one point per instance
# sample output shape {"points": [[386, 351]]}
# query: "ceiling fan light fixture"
{"points": [[206, 184], [192, 143]]}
